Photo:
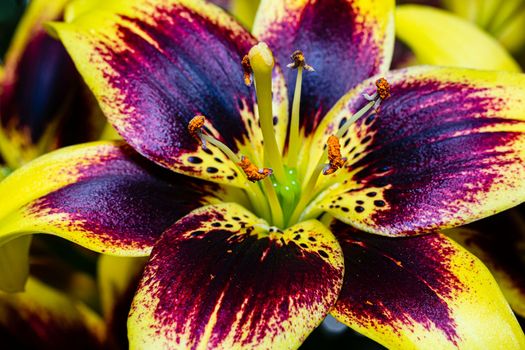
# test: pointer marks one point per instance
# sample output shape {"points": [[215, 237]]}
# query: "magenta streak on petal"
{"points": [[125, 200], [200, 268], [197, 70], [397, 281], [426, 144], [336, 44]]}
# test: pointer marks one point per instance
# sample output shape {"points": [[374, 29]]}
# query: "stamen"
{"points": [[334, 156], [248, 71], [257, 198], [383, 88], [195, 129], [299, 61], [253, 173], [294, 144], [262, 62]]}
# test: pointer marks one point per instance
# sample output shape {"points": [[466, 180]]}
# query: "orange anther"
{"points": [[334, 156], [247, 69], [383, 88], [299, 61], [252, 172], [195, 125]]}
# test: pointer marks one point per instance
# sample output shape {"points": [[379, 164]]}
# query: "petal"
{"points": [[243, 10], [44, 318], [498, 241], [237, 282], [444, 150], [103, 196], [433, 36], [416, 292], [154, 65], [43, 102], [345, 41]]}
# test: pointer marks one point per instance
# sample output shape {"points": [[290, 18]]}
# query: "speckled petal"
{"points": [[447, 148], [421, 293], [154, 65], [44, 318], [345, 41], [103, 196], [221, 278], [499, 241], [44, 103]]}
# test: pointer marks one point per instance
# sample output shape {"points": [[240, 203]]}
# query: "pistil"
{"points": [[262, 63]]}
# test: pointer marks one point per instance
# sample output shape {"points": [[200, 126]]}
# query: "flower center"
{"points": [[276, 190]]}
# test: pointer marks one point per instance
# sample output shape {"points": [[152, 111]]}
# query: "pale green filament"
{"points": [[294, 144], [257, 197], [310, 190], [354, 118]]}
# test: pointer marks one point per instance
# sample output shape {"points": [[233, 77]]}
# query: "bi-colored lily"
{"points": [[44, 104], [351, 230]]}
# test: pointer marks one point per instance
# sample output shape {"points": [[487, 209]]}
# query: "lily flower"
{"points": [[44, 105], [261, 216]]}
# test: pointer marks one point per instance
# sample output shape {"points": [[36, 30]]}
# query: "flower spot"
{"points": [[212, 170], [342, 122], [304, 245], [379, 203], [236, 218], [275, 120], [218, 160], [371, 194], [194, 160], [345, 209], [228, 225], [297, 237], [370, 119], [197, 233], [359, 209], [323, 254], [366, 139], [216, 224], [312, 239], [360, 202]]}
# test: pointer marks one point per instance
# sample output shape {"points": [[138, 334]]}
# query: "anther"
{"points": [[252, 172], [334, 156], [381, 94], [299, 61], [247, 69], [383, 88], [195, 129]]}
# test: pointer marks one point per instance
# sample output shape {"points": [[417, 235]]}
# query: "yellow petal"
{"points": [[439, 38]]}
